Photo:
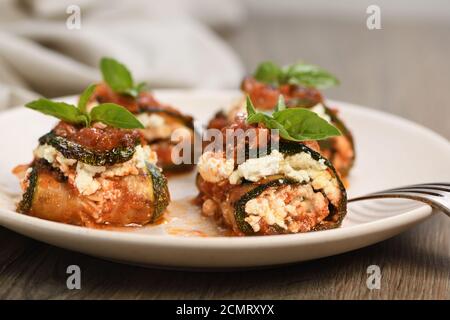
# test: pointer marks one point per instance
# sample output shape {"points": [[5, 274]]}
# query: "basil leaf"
{"points": [[296, 124], [141, 86], [84, 98], [268, 72], [309, 76], [117, 76], [303, 74], [115, 116], [280, 105], [269, 123], [303, 124], [250, 107], [60, 110]]}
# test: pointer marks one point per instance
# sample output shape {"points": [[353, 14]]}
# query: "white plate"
{"points": [[390, 152]]}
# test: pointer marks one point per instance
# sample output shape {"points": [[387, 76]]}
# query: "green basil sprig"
{"points": [[119, 78], [299, 74], [108, 113], [295, 124]]}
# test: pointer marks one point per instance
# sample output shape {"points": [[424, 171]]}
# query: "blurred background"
{"points": [[52, 48]]}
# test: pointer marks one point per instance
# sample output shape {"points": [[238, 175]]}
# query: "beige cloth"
{"points": [[165, 43]]}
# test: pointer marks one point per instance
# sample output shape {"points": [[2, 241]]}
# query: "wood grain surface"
{"points": [[403, 69]]}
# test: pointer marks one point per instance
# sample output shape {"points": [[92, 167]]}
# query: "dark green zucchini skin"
{"points": [[160, 191], [172, 168], [72, 150], [25, 204], [336, 215]]}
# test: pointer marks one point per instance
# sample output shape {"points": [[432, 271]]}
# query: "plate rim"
{"points": [[417, 214]]}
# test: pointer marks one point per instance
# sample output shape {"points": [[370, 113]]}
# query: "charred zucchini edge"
{"points": [[72, 150], [161, 196], [26, 202]]}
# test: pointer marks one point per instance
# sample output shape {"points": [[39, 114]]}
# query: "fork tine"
{"points": [[435, 184], [430, 188], [441, 183], [437, 195], [443, 186], [389, 194], [412, 190], [433, 202]]}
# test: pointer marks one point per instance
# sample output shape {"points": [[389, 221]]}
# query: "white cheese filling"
{"points": [[83, 175], [273, 212], [300, 167], [213, 167], [257, 168], [151, 120]]}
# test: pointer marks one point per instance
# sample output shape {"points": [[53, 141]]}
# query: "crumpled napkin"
{"points": [[39, 55]]}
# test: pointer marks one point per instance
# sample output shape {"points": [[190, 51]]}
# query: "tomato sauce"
{"points": [[98, 139], [265, 96]]}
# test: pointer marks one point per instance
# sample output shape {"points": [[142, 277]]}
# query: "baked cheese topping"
{"points": [[157, 127], [151, 120]]}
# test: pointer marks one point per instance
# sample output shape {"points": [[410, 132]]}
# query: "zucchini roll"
{"points": [[93, 176], [291, 189], [339, 150], [159, 120]]}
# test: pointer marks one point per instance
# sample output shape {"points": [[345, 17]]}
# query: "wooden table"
{"points": [[404, 69]]}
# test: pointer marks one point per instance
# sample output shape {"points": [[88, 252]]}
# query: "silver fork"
{"points": [[437, 195]]}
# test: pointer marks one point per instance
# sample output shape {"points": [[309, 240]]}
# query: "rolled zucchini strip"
{"points": [[339, 150], [72, 150], [159, 124], [303, 194], [138, 199]]}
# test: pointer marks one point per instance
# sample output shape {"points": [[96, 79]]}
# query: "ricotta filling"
{"points": [[292, 208], [156, 127], [87, 178], [151, 120], [213, 167]]}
